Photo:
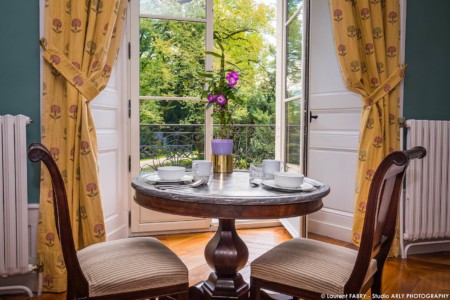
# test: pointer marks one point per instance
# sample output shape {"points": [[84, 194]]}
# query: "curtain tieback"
{"points": [[385, 87], [64, 66]]}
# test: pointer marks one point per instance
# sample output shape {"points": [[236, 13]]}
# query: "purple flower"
{"points": [[232, 78], [231, 81], [233, 74], [211, 98], [221, 99]]}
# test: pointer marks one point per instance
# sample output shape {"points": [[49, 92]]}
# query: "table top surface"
{"points": [[223, 189]]}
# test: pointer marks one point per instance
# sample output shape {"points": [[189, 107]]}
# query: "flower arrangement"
{"points": [[220, 90]]}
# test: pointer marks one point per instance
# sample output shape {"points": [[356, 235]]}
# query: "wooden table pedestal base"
{"points": [[226, 253]]}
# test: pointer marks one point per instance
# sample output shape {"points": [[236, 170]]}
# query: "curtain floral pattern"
{"points": [[367, 40], [81, 43]]}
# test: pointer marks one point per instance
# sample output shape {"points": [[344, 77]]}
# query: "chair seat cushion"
{"points": [[130, 265], [310, 265]]}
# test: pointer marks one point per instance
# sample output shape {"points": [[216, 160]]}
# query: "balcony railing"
{"points": [[179, 144]]}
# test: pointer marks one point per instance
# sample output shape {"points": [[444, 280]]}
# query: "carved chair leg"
{"points": [[69, 293], [183, 296], [255, 292], [376, 287]]}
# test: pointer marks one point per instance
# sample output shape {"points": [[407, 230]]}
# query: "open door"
{"points": [[328, 115], [154, 143], [333, 133], [292, 89], [109, 110]]}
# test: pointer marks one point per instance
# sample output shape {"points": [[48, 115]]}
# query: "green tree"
{"points": [[251, 52], [172, 53]]}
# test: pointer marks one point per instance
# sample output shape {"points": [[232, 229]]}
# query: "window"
{"points": [[171, 115], [290, 72], [170, 34]]}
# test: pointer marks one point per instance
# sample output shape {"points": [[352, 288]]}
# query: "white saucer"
{"points": [[154, 179], [305, 187]]}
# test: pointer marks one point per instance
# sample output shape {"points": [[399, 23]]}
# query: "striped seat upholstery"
{"points": [[310, 265], [129, 265]]}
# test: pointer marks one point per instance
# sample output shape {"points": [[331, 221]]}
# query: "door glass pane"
{"points": [[294, 57], [174, 8], [293, 131], [170, 57], [292, 6], [171, 133]]}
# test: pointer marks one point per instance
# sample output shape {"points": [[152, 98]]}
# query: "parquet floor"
{"points": [[417, 277]]}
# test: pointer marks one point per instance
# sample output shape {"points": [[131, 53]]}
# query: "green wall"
{"points": [[19, 72], [426, 84], [427, 81]]}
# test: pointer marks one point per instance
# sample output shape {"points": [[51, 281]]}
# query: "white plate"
{"points": [[154, 178], [305, 187]]}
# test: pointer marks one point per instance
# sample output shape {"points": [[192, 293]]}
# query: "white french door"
{"points": [[144, 221], [333, 135], [111, 122], [325, 115], [292, 20]]}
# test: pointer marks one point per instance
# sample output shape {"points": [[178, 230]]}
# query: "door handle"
{"points": [[311, 116]]}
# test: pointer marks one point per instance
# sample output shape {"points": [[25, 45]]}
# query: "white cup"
{"points": [[201, 170], [270, 166]]}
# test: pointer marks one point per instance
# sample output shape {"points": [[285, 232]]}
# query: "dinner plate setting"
{"points": [[305, 187], [155, 179]]}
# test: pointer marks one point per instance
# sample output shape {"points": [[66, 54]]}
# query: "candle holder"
{"points": [[222, 163]]}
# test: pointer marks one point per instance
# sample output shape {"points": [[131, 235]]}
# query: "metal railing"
{"points": [[179, 144]]}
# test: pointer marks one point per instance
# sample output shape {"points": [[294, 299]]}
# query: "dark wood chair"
{"points": [[130, 268], [310, 269]]}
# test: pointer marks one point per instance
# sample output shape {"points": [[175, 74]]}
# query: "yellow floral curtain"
{"points": [[81, 43], [367, 39]]}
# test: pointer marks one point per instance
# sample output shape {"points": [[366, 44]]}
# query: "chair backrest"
{"points": [[381, 214], [38, 152]]}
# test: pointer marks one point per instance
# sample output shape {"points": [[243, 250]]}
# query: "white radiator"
{"points": [[426, 214], [13, 196]]}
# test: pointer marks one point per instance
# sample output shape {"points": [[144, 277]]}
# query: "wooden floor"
{"points": [[419, 274]]}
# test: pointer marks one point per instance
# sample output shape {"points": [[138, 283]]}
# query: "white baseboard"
{"points": [[292, 225], [331, 223], [338, 225], [119, 233]]}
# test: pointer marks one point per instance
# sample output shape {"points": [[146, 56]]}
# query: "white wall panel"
{"points": [[338, 169], [336, 100], [105, 118], [108, 169], [325, 73]]}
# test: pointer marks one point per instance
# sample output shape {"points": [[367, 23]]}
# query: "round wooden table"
{"points": [[227, 197]]}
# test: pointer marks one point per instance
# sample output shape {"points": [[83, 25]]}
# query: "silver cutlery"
{"points": [[177, 186]]}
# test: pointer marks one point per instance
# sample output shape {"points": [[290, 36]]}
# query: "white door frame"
{"points": [[140, 217], [295, 226]]}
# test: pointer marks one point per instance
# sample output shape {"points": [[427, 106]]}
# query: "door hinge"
{"points": [[129, 163], [129, 219], [129, 108], [129, 50]]}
